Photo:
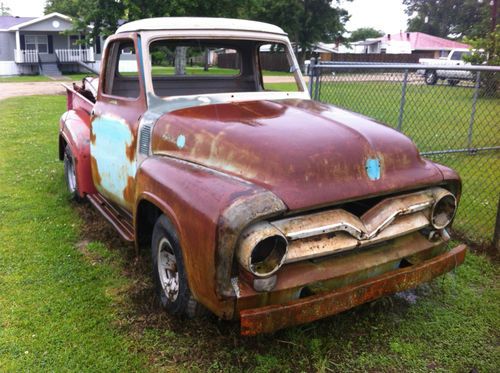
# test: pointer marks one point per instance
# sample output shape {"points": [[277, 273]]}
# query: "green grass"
{"points": [[24, 79], [73, 305], [157, 70], [40, 78]]}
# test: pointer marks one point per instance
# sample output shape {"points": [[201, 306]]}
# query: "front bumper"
{"points": [[278, 316]]}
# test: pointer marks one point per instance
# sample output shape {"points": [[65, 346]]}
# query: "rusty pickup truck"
{"points": [[257, 204]]}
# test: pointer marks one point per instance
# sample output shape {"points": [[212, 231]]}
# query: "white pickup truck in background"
{"points": [[452, 77]]}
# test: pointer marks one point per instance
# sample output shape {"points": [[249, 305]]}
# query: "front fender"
{"points": [[74, 130], [208, 210]]}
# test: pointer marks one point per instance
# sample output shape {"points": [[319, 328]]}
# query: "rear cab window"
{"points": [[207, 66]]}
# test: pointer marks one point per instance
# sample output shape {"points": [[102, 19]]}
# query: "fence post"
{"points": [[496, 235], [403, 101], [317, 73], [473, 113], [311, 76]]}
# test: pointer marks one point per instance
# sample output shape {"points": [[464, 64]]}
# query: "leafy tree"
{"points": [[486, 50], [66, 7], [364, 33], [306, 21], [444, 18], [4, 10]]}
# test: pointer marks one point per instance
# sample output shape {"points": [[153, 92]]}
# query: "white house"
{"points": [[41, 45]]}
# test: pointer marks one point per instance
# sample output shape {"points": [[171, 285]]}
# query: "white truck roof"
{"points": [[199, 23]]}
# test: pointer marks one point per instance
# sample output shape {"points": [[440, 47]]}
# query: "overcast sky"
{"points": [[385, 15]]}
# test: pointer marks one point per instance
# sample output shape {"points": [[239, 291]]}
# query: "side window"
{"points": [[277, 69], [122, 77]]}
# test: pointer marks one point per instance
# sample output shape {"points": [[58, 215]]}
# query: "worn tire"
{"points": [[430, 77], [182, 301], [452, 82], [70, 175]]}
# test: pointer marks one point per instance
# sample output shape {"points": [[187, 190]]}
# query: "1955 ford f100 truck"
{"points": [[257, 205]]}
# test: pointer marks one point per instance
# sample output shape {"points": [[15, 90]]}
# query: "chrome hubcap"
{"points": [[167, 270]]}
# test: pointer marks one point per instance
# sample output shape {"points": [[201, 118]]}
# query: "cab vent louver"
{"points": [[144, 140]]}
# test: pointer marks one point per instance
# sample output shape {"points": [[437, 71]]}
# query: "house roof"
{"points": [[10, 21], [32, 21], [199, 23], [421, 41]]}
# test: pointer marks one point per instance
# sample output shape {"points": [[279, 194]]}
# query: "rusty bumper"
{"points": [[271, 318]]}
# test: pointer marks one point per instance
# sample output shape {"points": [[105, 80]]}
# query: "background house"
{"points": [[416, 43], [43, 45]]}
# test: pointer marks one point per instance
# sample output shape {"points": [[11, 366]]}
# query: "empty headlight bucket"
{"points": [[443, 210], [262, 249]]}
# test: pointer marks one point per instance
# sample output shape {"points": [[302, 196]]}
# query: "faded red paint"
{"points": [[307, 153]]}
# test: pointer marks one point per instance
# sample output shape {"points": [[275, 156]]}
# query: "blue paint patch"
{"points": [[112, 136], [181, 141], [373, 168]]}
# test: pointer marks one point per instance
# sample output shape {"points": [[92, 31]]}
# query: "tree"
{"points": [[486, 50], [306, 21], [364, 33], [66, 7], [4, 10], [449, 18]]}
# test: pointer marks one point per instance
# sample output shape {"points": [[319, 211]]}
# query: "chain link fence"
{"points": [[451, 113]]}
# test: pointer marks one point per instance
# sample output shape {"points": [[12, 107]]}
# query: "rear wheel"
{"points": [[430, 78], [70, 175], [169, 274]]}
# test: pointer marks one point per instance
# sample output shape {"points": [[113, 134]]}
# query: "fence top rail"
{"points": [[404, 66]]}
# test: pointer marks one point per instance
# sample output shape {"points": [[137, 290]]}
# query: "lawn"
{"points": [[40, 78], [72, 297], [157, 70]]}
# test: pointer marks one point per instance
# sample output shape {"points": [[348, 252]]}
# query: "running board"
{"points": [[120, 221]]}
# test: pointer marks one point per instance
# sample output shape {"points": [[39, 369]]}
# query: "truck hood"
{"points": [[307, 153]]}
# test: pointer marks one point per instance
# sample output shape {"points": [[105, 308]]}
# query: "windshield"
{"points": [[207, 66]]}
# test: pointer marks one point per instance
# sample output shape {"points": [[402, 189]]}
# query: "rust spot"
{"points": [[92, 137], [95, 171], [130, 150], [129, 191]]}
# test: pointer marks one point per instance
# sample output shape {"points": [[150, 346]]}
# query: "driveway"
{"points": [[31, 88]]}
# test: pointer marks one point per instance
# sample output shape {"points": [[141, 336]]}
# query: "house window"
{"points": [[37, 43]]}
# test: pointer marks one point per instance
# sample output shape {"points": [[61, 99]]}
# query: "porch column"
{"points": [[17, 52], [18, 40]]}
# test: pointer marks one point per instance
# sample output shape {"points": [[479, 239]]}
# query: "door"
{"points": [[120, 105]]}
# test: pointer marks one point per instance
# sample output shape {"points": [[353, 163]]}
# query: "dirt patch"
{"points": [[31, 88]]}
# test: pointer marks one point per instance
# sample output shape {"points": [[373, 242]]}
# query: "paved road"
{"points": [[33, 88]]}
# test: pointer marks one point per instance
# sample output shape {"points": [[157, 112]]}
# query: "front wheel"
{"points": [[430, 78], [169, 274]]}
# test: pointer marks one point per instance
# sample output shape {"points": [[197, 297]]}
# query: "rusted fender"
{"points": [[198, 201], [74, 130], [271, 318]]}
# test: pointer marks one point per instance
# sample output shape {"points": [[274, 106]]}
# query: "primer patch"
{"points": [[372, 167], [181, 141]]}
